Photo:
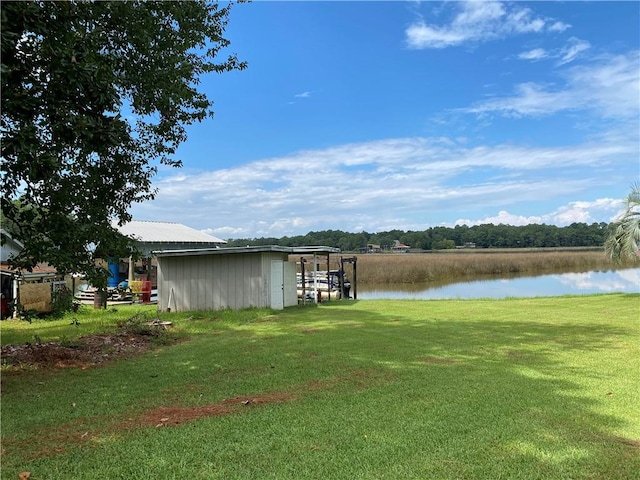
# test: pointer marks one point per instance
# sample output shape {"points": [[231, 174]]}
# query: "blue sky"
{"points": [[407, 115]]}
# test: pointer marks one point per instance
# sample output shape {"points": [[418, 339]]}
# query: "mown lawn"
{"points": [[541, 388]]}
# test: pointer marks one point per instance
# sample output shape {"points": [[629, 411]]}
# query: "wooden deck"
{"points": [[114, 297]]}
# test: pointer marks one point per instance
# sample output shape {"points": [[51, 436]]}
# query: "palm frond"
{"points": [[623, 240]]}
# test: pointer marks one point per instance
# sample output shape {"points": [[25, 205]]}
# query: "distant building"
{"points": [[373, 248], [400, 247]]}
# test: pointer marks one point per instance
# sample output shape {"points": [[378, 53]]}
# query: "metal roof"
{"points": [[165, 232], [39, 270], [234, 250], [10, 246]]}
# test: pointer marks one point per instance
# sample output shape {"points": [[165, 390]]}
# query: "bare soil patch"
{"points": [[165, 416], [85, 352], [89, 430]]}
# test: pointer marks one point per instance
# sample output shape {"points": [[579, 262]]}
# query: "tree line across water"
{"points": [[442, 238]]}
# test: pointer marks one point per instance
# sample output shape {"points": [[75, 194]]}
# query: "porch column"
{"points": [[15, 297], [131, 267]]}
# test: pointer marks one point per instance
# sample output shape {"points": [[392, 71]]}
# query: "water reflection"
{"points": [[623, 281]]}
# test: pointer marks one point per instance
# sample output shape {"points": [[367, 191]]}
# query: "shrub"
{"points": [[62, 302]]}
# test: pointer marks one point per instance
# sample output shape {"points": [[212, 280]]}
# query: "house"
{"points": [[152, 236], [400, 247], [372, 248], [33, 290], [235, 277], [10, 247]]}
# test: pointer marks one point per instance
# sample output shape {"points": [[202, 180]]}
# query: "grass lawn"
{"points": [[542, 388]]}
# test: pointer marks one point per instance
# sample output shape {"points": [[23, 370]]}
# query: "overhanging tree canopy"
{"points": [[94, 96]]}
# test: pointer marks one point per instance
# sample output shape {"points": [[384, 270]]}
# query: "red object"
{"points": [[146, 291], [4, 307]]}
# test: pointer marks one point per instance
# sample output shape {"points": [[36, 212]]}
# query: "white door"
{"points": [[277, 284], [290, 284]]}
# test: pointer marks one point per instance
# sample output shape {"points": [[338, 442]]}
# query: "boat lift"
{"points": [[316, 276]]}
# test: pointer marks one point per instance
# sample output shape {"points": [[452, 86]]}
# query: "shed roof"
{"points": [[166, 232], [235, 250]]}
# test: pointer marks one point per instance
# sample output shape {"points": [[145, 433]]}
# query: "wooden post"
{"points": [[315, 277], [341, 278], [328, 279], [304, 281], [355, 278]]}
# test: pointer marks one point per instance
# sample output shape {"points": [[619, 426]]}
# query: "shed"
{"points": [[235, 277]]}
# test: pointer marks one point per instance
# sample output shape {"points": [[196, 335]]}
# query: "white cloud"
{"points": [[530, 99], [572, 50], [419, 35], [503, 217], [535, 54], [303, 95], [559, 26], [584, 211], [225, 232], [610, 87], [612, 84], [404, 183], [574, 212], [479, 21], [566, 54]]}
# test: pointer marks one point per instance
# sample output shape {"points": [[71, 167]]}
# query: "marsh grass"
{"points": [[449, 265], [540, 388]]}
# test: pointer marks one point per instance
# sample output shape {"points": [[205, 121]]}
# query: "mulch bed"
{"points": [[84, 352]]}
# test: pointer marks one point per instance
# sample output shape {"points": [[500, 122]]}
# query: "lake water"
{"points": [[622, 281]]}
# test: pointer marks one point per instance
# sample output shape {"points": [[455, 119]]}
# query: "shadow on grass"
{"points": [[452, 391], [542, 394]]}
